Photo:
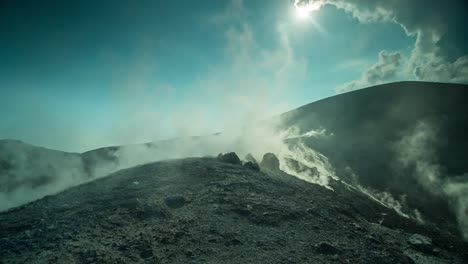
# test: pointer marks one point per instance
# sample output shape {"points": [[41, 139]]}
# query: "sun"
{"points": [[303, 11]]}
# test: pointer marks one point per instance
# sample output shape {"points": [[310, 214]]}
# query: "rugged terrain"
{"points": [[400, 145], [391, 136], [203, 210], [364, 133]]}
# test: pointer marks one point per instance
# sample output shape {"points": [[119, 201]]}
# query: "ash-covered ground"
{"points": [[215, 210]]}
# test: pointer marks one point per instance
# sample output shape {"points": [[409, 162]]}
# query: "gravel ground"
{"points": [[202, 210]]}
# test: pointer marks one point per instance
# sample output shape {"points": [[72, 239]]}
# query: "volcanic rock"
{"points": [[230, 157], [252, 166], [251, 158], [270, 162]]}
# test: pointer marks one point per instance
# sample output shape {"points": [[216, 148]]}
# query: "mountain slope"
{"points": [[406, 138], [201, 210]]}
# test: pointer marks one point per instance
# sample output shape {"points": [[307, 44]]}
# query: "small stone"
{"points": [[176, 201], [326, 249]]}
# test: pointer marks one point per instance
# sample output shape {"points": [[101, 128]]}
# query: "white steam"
{"points": [[256, 139], [28, 173], [67, 170], [388, 200], [416, 149]]}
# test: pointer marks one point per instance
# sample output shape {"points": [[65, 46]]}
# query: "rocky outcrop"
{"points": [[230, 157], [252, 166], [270, 162], [251, 158]]}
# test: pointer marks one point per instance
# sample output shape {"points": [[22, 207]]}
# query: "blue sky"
{"points": [[79, 75]]}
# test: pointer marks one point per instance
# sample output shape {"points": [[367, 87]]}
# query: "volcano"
{"points": [[377, 175]]}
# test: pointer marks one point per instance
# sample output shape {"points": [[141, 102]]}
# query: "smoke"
{"points": [[416, 150]]}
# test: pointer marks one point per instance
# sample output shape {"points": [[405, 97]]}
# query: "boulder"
{"points": [[270, 162], [252, 166], [251, 158], [230, 157]]}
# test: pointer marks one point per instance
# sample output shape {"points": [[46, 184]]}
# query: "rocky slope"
{"points": [[407, 138], [204, 210]]}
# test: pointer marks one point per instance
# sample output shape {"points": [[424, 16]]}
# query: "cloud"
{"points": [[439, 54], [309, 5], [383, 71], [443, 71]]}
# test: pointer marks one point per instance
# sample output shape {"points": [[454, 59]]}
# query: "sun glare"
{"points": [[303, 11]]}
